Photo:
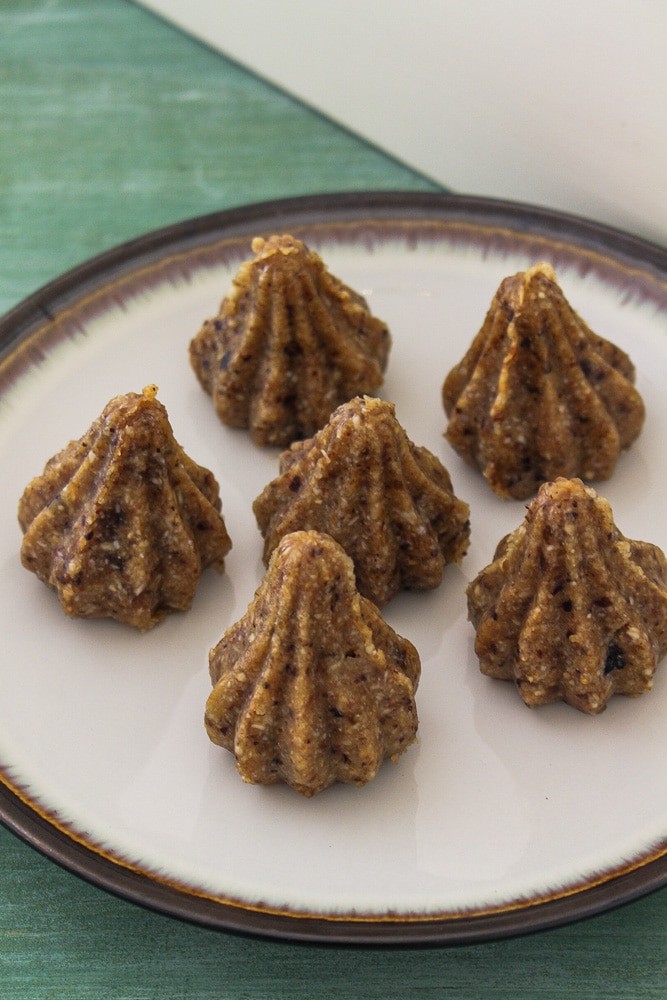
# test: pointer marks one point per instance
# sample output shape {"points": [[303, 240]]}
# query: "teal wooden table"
{"points": [[112, 123]]}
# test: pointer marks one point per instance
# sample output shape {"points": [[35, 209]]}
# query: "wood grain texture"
{"points": [[61, 938], [111, 124]]}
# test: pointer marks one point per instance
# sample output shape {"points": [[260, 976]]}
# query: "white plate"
{"points": [[500, 819]]}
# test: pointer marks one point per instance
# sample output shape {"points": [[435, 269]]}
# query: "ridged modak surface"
{"points": [[387, 501], [311, 686], [122, 522], [289, 344], [571, 609], [538, 395]]}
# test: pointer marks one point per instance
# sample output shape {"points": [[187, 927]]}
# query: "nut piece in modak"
{"points": [[289, 344], [538, 395], [312, 686], [570, 609], [122, 522], [387, 501]]}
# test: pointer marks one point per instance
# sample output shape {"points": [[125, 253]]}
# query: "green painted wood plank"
{"points": [[114, 123], [62, 938]]}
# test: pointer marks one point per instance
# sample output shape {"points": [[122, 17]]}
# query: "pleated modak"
{"points": [[122, 522], [538, 395], [570, 609], [311, 686], [290, 343], [388, 502]]}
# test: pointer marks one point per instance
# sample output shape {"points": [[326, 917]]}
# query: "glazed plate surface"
{"points": [[500, 819]]}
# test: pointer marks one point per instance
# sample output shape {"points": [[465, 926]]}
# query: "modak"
{"points": [[289, 344], [570, 609], [311, 686], [538, 395], [387, 501], [122, 522]]}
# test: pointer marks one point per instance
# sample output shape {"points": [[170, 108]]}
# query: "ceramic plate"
{"points": [[500, 819]]}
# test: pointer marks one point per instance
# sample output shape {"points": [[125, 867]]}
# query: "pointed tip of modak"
{"points": [[563, 489], [134, 407], [536, 282], [541, 273], [542, 269], [306, 549], [575, 501], [367, 410], [285, 244]]}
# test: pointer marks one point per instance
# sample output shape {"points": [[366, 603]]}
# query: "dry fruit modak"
{"points": [[538, 395], [122, 522], [569, 608], [311, 686], [387, 501], [289, 344]]}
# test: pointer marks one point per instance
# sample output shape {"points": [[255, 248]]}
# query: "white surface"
{"points": [[494, 802], [557, 104]]}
